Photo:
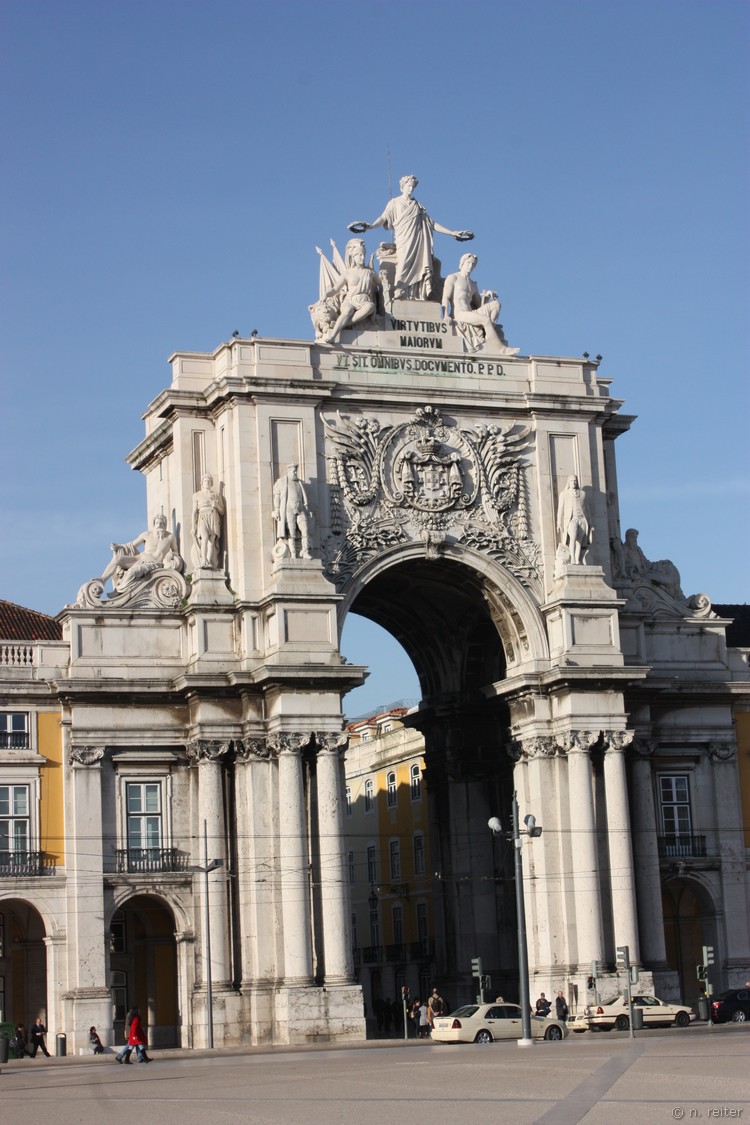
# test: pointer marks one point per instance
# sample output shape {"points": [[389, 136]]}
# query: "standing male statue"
{"points": [[208, 510], [412, 228], [474, 313], [572, 523], [291, 512]]}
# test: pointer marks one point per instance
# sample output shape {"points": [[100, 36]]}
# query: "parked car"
{"points": [[483, 1023], [656, 1013], [731, 1006]]}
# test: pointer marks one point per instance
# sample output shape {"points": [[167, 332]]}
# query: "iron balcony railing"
{"points": [[151, 860], [395, 952], [15, 864], [14, 740], [424, 949], [682, 847], [372, 954]]}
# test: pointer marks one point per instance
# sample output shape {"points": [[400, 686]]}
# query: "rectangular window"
{"points": [[369, 795], [674, 793], [15, 828], [355, 941], [372, 864], [419, 854], [394, 849], [398, 925], [144, 826], [348, 800], [422, 932], [14, 730], [351, 867], [391, 791], [374, 928]]}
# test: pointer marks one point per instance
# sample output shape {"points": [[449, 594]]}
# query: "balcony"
{"points": [[423, 950], [372, 954], [14, 865], [150, 861], [14, 740], [395, 952], [682, 847]]}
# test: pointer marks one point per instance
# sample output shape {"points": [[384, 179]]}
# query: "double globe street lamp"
{"points": [[532, 830]]}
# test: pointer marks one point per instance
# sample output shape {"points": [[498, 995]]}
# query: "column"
{"points": [[646, 857], [723, 757], [621, 873], [294, 858], [337, 944], [209, 753], [583, 849]]}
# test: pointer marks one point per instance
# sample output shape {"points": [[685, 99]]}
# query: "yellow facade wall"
{"points": [[51, 809]]}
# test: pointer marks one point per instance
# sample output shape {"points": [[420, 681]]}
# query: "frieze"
{"points": [[427, 480], [85, 755]]}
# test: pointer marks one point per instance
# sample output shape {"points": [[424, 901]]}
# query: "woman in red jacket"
{"points": [[137, 1037]]}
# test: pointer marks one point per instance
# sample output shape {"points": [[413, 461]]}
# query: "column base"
{"points": [[333, 1014], [82, 1008]]}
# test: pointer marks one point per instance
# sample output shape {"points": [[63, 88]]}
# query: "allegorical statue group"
{"points": [[351, 291]]}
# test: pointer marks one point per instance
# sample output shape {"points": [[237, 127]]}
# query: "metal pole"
{"points": [[209, 982], [523, 953]]}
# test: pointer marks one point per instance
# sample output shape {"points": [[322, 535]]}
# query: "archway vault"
{"points": [[464, 621]]}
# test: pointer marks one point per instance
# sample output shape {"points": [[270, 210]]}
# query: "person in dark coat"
{"points": [[38, 1033], [561, 1007], [95, 1041]]}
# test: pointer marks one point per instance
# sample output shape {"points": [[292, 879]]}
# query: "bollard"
{"points": [[4, 1044], [61, 1044]]}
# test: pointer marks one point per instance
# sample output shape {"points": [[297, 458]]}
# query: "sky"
{"points": [[171, 166]]}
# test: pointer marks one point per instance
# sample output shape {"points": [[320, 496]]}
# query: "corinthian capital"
{"points": [[253, 749], [208, 749], [577, 741], [617, 740], [721, 751], [538, 747], [644, 747], [287, 742], [331, 742], [85, 755]]}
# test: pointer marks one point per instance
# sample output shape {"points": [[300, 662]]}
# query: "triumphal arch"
{"points": [[411, 465]]}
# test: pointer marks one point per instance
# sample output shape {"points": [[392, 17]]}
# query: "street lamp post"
{"points": [[517, 832], [206, 869]]}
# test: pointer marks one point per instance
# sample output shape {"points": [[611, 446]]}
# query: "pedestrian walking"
{"points": [[123, 1055], [19, 1041], [38, 1033], [137, 1037], [561, 1007], [424, 1021], [436, 1006]]}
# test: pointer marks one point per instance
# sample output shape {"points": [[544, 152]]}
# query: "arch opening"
{"points": [[143, 968]]}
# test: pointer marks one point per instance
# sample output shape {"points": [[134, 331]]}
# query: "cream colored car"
{"points": [[483, 1023], [613, 1013]]}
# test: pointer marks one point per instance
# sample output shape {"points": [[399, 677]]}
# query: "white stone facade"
{"points": [[201, 712]]}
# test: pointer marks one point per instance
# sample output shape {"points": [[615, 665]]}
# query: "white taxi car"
{"points": [[483, 1023], [656, 1013]]}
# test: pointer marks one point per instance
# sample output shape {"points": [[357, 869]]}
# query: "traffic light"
{"points": [[708, 955], [476, 967], [405, 992], [701, 972], [589, 982], [623, 957]]}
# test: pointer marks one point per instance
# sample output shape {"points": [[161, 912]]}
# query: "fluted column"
{"points": [[587, 890], [209, 755], [646, 857], [622, 880], [339, 967], [294, 856]]}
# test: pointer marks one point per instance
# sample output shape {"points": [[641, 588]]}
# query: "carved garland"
{"points": [[423, 480]]}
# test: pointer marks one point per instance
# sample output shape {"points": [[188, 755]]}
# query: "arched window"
{"points": [[416, 783], [391, 798]]}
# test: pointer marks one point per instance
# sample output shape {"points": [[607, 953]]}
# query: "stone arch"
{"points": [[387, 590], [690, 921], [143, 961], [23, 964]]}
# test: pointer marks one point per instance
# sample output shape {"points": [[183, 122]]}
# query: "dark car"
{"points": [[732, 1005]]}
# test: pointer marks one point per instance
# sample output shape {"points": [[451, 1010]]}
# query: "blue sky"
{"points": [[170, 167]]}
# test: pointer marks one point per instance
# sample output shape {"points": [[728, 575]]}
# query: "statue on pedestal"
{"points": [[573, 525], [358, 286], [291, 512], [417, 272], [474, 313], [128, 564], [208, 511]]}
